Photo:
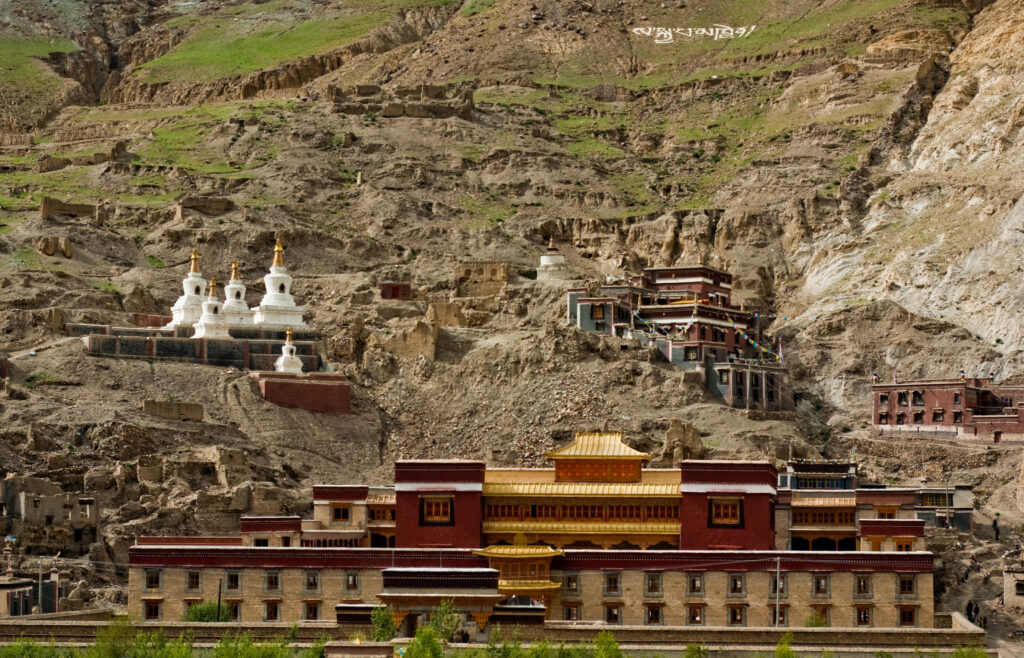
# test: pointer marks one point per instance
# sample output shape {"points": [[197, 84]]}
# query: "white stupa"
{"points": [[288, 362], [189, 307], [211, 323], [236, 312], [552, 265], [277, 309]]}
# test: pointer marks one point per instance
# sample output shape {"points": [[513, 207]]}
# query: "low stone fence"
{"points": [[173, 410], [241, 354], [319, 392]]}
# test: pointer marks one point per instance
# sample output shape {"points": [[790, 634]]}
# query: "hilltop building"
{"points": [[598, 538], [974, 406], [686, 313]]}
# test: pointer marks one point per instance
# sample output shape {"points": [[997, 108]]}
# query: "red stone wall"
{"points": [[755, 533], [311, 395]]}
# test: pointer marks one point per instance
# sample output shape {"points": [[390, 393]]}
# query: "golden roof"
{"points": [[213, 287], [194, 267], [824, 502], [278, 254], [234, 270], [583, 489], [518, 551], [511, 586], [584, 528], [597, 445]]}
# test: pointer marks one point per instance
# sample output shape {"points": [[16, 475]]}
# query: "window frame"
{"points": [[902, 578], [730, 591], [784, 620], [149, 573], [865, 610], [266, 610], [575, 577], [699, 579], [713, 518], [607, 591], [306, 606], [730, 609], [912, 610], [815, 594], [783, 581], [571, 616], [701, 610], [237, 575], [352, 586], [147, 605], [617, 608], [266, 580], [648, 607], [659, 590], [319, 580], [857, 578], [188, 580], [437, 498]]}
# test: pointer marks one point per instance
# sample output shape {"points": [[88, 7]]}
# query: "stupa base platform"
{"points": [[316, 391]]}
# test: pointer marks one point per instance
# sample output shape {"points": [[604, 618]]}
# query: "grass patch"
{"points": [[486, 211], [105, 286], [474, 7], [25, 78], [228, 44], [40, 377], [154, 261]]}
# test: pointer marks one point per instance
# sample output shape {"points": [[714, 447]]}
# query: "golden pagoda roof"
{"points": [[598, 445], [234, 270], [518, 551], [582, 489], [278, 254], [511, 586], [194, 258], [213, 287], [583, 527]]}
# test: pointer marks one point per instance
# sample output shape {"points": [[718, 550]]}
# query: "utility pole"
{"points": [[39, 561], [220, 582], [778, 584]]}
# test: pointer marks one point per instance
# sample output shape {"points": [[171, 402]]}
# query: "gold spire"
{"points": [[194, 267], [213, 287], [288, 335], [234, 270], [278, 255]]}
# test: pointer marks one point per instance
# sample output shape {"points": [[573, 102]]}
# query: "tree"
{"points": [[425, 645], [205, 611], [782, 649], [695, 651], [605, 646], [383, 624], [445, 621]]}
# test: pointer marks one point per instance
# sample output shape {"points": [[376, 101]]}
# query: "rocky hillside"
{"points": [[851, 161]]}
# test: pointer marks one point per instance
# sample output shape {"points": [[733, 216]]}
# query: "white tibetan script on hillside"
{"points": [[716, 32]]}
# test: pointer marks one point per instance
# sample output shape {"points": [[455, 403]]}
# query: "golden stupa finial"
{"points": [[288, 335], [234, 270], [194, 267], [551, 244], [213, 287], [278, 254]]}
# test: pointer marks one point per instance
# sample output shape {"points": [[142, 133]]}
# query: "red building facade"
{"points": [[973, 406]]}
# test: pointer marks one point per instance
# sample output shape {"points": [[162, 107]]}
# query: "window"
{"points": [[862, 585], [725, 512], [597, 312], [918, 417], [886, 514], [312, 581], [1019, 587], [311, 611], [737, 615], [613, 614], [571, 612], [778, 615], [193, 580], [652, 613], [901, 398], [612, 583], [695, 615], [272, 581], [695, 584], [737, 584], [286, 541], [351, 581], [908, 616], [233, 581], [958, 417], [883, 418], [341, 514], [652, 584], [956, 398], [234, 610], [262, 542], [918, 398], [904, 545], [436, 510], [863, 616], [152, 579], [819, 585], [883, 398], [821, 615], [272, 611], [571, 583], [777, 587], [901, 419], [907, 586], [152, 610], [723, 376], [691, 354], [938, 415]]}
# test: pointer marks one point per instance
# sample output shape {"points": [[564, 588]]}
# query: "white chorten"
{"points": [[211, 323], [236, 312], [277, 309], [552, 265], [288, 362], [189, 307]]}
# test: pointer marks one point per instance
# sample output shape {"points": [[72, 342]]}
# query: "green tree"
{"points": [[695, 651], [114, 641], [206, 611], [383, 624], [445, 621], [782, 649], [425, 645], [605, 646]]}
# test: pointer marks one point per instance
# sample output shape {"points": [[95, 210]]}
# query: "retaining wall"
{"points": [[241, 354], [323, 393], [173, 410]]}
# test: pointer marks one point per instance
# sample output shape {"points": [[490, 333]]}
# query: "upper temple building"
{"points": [[686, 313]]}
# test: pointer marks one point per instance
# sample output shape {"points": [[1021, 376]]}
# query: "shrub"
{"points": [[383, 624], [205, 611], [815, 620], [970, 652], [425, 645], [695, 651], [445, 621], [605, 646]]}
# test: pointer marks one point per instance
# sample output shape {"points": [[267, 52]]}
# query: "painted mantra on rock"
{"points": [[716, 31]]}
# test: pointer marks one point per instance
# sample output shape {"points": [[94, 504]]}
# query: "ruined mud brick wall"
{"points": [[420, 101], [44, 518], [50, 207], [208, 205], [151, 321], [481, 278], [315, 392], [15, 140], [418, 340], [173, 410]]}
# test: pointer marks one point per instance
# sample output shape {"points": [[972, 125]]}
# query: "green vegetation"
{"points": [[40, 377], [485, 212], [23, 77], [474, 7], [814, 620], [207, 611], [154, 261], [383, 624], [244, 38], [695, 651], [105, 286]]}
